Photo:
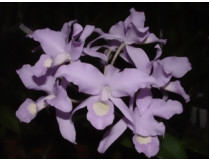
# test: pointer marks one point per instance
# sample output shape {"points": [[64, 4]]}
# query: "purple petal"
{"points": [[165, 109], [143, 145], [177, 88], [85, 103], [27, 111], [100, 113], [177, 66], [139, 57], [151, 38], [111, 135], [122, 107], [45, 83], [42, 65], [127, 82], [118, 30], [61, 100], [94, 53], [52, 42], [136, 18], [143, 100], [88, 78], [87, 31], [160, 75], [66, 28], [146, 125], [66, 126]]}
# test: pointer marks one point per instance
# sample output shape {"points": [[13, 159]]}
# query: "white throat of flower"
{"points": [[32, 108], [61, 58], [48, 62], [101, 108], [105, 93], [143, 140]]}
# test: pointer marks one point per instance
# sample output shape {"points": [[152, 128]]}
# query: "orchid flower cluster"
{"points": [[60, 66]]}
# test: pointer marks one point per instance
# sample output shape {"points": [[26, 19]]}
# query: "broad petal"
{"points": [[118, 29], [137, 18], [165, 109], [111, 135], [122, 107], [66, 126], [61, 101], [42, 65], [177, 88], [100, 114], [139, 57], [52, 42], [27, 111], [160, 75], [146, 125], [177, 66], [150, 149], [45, 83], [127, 82], [88, 78]]}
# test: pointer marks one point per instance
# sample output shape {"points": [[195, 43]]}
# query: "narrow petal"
{"points": [[143, 100], [151, 38], [149, 149], [177, 88], [52, 42], [127, 82], [177, 66], [88, 78], [85, 103], [87, 31], [111, 135], [27, 111], [165, 109], [122, 107], [94, 53], [61, 101], [139, 57], [100, 114], [66, 126]]}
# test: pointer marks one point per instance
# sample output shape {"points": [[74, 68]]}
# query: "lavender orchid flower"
{"points": [[56, 96], [57, 46], [104, 88], [145, 128]]}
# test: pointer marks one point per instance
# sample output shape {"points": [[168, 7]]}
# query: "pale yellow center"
{"points": [[32, 108], [143, 140], [61, 58], [101, 108], [48, 62]]}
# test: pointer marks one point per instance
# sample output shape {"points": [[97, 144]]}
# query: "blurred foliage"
{"points": [[184, 25]]}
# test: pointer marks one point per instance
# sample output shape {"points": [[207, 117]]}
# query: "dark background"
{"points": [[184, 25]]}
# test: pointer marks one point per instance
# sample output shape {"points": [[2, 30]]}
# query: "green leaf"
{"points": [[171, 147], [126, 142], [8, 119]]}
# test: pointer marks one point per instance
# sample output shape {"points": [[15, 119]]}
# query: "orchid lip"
{"points": [[143, 140], [101, 108]]}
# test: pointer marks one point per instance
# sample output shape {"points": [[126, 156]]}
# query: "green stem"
{"points": [[118, 52], [25, 29]]}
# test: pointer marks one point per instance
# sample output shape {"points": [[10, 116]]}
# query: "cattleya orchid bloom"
{"points": [[145, 128], [56, 96], [60, 65], [58, 47], [104, 88]]}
